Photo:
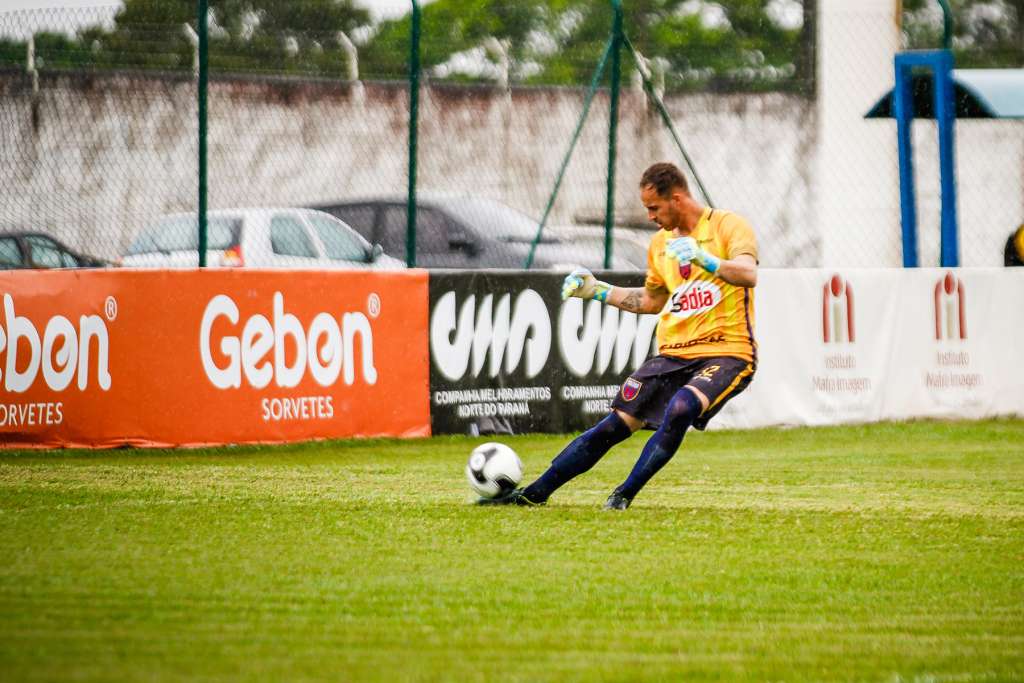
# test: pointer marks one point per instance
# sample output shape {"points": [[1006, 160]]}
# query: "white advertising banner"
{"points": [[860, 345]]}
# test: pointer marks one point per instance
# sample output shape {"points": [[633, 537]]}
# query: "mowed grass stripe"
{"points": [[888, 552]]}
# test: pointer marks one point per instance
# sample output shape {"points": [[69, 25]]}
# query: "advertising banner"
{"points": [[861, 345], [509, 356], [834, 347], [105, 358], [162, 358]]}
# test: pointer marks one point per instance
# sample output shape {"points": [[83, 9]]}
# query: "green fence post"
{"points": [[947, 25], [201, 13], [613, 126], [414, 109]]}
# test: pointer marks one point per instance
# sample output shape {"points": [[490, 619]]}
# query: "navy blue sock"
{"points": [[579, 456], [680, 413]]}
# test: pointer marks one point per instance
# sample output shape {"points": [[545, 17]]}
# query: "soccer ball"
{"points": [[493, 469]]}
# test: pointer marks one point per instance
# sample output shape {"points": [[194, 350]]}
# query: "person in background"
{"points": [[1013, 253]]}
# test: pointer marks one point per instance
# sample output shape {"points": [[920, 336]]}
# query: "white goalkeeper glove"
{"points": [[582, 284], [686, 249]]}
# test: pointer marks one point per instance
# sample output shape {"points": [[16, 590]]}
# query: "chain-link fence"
{"points": [[90, 154], [98, 125]]}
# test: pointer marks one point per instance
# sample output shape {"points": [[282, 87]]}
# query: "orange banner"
{"points": [[187, 358]]}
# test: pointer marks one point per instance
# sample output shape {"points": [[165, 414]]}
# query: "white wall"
{"points": [[857, 193], [110, 153]]}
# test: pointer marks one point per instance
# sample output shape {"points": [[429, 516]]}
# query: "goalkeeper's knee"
{"points": [[682, 410]]}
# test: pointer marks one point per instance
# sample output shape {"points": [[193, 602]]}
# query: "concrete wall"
{"points": [[93, 157], [105, 154]]}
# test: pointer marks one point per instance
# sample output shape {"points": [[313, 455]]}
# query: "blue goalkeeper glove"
{"points": [[582, 284], [686, 249]]}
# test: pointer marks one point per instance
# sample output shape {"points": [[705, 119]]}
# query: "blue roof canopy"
{"points": [[978, 93]]}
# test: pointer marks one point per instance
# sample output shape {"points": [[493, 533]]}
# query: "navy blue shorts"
{"points": [[647, 391]]}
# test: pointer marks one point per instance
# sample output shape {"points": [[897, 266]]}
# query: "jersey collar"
{"points": [[703, 223]]}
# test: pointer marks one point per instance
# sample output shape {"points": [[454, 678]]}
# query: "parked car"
{"points": [[29, 249], [474, 232], [256, 238]]}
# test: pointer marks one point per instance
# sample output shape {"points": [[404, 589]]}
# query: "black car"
{"points": [[474, 232], [24, 249]]}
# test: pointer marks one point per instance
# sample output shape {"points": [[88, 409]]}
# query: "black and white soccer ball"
{"points": [[493, 469]]}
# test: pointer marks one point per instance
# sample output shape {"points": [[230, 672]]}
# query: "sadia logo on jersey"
{"points": [[693, 298], [950, 308]]}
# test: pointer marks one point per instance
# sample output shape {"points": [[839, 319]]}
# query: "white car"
{"points": [[256, 238]]}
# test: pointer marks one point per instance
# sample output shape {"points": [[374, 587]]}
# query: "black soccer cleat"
{"points": [[617, 501], [513, 497]]}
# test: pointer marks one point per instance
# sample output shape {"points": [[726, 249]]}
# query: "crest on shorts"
{"points": [[630, 388]]}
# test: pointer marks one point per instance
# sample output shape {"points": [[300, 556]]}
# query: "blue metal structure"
{"points": [[940, 65], [977, 93]]}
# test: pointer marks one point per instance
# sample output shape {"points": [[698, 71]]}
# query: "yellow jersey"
{"points": [[705, 315]]}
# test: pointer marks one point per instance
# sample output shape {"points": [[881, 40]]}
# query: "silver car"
{"points": [[256, 238]]}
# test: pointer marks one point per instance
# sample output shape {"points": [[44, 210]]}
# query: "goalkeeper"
{"points": [[701, 266]]}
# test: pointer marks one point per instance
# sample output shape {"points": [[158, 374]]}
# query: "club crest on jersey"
{"points": [[631, 388], [684, 270], [694, 297]]}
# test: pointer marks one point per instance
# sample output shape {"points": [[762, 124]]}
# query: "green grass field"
{"points": [[875, 553]]}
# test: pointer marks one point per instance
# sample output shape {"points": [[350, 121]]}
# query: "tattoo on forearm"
{"points": [[632, 301]]}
